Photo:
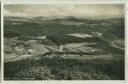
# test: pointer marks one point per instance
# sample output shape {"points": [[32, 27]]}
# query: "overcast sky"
{"points": [[82, 11]]}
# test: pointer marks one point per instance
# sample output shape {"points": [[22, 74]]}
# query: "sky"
{"points": [[76, 10]]}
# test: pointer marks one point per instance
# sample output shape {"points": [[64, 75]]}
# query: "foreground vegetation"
{"points": [[64, 69]]}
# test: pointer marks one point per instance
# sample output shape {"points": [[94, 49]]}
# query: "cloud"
{"points": [[84, 11], [16, 14]]}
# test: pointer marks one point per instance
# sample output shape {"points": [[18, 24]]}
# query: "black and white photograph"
{"points": [[64, 42]]}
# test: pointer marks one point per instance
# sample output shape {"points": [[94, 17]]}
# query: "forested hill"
{"points": [[111, 29]]}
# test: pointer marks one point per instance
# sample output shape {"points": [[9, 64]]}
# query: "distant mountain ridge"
{"points": [[111, 29]]}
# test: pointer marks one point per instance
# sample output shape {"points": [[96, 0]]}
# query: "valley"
{"points": [[63, 48]]}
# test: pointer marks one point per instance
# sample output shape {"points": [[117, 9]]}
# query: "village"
{"points": [[37, 47]]}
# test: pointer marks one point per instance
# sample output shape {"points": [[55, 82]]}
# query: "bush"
{"points": [[37, 73], [65, 69]]}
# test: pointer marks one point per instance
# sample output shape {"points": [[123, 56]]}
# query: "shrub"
{"points": [[37, 73]]}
